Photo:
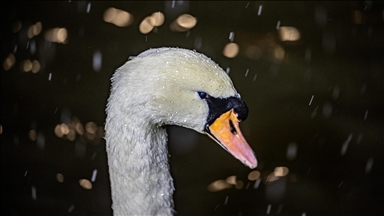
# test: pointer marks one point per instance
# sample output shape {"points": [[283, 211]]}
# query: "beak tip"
{"points": [[251, 164]]}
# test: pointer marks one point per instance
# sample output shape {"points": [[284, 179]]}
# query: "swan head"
{"points": [[174, 86]]}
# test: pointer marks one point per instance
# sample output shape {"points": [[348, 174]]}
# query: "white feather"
{"points": [[156, 88]]}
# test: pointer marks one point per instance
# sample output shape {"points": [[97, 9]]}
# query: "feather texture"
{"points": [[158, 87]]}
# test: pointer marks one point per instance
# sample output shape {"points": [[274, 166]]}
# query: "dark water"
{"points": [[324, 99]]}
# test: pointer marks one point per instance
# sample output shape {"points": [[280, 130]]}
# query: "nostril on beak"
{"points": [[232, 127]]}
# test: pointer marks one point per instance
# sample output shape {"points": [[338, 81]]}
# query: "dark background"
{"points": [[338, 62]]}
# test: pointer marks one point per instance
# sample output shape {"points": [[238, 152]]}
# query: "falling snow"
{"points": [[231, 36], [97, 60], [33, 189], [89, 7], [71, 208], [260, 9], [291, 151], [278, 25], [346, 144], [369, 165], [315, 96], [94, 174], [268, 209], [310, 101], [246, 72]]}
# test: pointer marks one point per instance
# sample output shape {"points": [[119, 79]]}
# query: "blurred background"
{"points": [[312, 74]]}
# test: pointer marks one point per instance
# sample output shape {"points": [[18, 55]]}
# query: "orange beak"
{"points": [[226, 132]]}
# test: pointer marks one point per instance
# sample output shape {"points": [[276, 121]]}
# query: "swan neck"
{"points": [[141, 183]]}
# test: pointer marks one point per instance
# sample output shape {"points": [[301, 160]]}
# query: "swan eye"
{"points": [[203, 95]]}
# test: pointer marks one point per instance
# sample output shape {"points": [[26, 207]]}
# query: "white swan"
{"points": [[165, 86]]}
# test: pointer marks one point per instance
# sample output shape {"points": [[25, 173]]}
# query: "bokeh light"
{"points": [[239, 184], [34, 30], [183, 23], [26, 65], [279, 53], [91, 127], [281, 171], [146, 26], [57, 35], [157, 19], [71, 130], [150, 22], [60, 177], [186, 21], [231, 180], [118, 17], [305, 104], [35, 66], [218, 186], [254, 175], [9, 62], [86, 184], [32, 135], [231, 50], [271, 178], [289, 33]]}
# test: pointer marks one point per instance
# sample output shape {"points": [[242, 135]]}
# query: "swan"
{"points": [[165, 86]]}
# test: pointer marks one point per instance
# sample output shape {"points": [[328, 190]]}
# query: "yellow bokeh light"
{"points": [[122, 19], [26, 65], [271, 178], [281, 171], [183, 23], [186, 21], [149, 22], [30, 32], [157, 19], [35, 66], [146, 25], [231, 180], [79, 128], [85, 183], [64, 129], [288, 33], [9, 62], [91, 127], [34, 30], [117, 17], [60, 177], [61, 35], [32, 135], [231, 50], [71, 134], [279, 53], [58, 131], [254, 175], [58, 35], [239, 184], [218, 186], [109, 15]]}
